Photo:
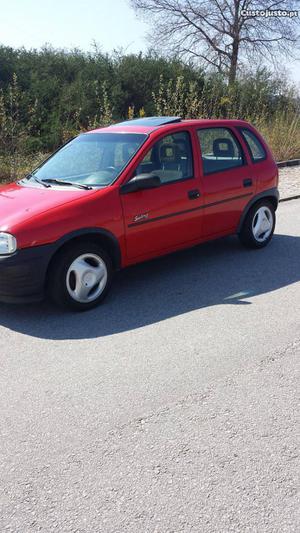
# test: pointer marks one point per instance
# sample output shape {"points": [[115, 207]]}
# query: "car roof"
{"points": [[147, 125]]}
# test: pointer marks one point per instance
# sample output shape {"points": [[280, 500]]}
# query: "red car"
{"points": [[127, 193]]}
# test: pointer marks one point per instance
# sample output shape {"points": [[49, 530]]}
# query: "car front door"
{"points": [[162, 218], [226, 178]]}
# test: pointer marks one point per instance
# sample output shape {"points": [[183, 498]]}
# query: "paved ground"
{"points": [[173, 408], [289, 181]]}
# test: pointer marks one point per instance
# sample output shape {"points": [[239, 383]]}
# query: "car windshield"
{"points": [[92, 159]]}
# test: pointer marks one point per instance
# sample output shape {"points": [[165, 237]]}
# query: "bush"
{"points": [[282, 133], [48, 96]]}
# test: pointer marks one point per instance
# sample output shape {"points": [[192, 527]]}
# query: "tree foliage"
{"points": [[72, 90], [50, 95]]}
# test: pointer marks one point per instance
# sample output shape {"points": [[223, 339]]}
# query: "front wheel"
{"points": [[80, 276], [259, 224]]}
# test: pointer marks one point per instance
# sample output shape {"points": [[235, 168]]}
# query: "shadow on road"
{"points": [[219, 272]]}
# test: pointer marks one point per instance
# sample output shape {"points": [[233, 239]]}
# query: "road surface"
{"points": [[171, 408]]}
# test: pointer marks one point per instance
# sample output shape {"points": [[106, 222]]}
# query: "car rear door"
{"points": [[160, 219], [226, 178]]}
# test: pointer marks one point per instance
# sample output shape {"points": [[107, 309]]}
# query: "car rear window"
{"points": [[255, 147], [220, 150]]}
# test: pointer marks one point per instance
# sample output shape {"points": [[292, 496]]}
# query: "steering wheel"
{"points": [[110, 168]]}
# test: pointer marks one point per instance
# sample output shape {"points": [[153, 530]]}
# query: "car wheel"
{"points": [[259, 225], [80, 276]]}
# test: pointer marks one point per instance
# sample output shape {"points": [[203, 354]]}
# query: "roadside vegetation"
{"points": [[50, 95]]}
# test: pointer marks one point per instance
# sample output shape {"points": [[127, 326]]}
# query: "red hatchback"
{"points": [[127, 193]]}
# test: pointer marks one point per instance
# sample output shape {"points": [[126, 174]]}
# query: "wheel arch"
{"points": [[271, 194], [104, 238]]}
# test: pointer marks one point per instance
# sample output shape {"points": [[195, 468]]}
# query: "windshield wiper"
{"points": [[70, 183], [41, 182]]}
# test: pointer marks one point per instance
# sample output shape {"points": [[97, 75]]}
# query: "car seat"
{"points": [[223, 148], [170, 163]]}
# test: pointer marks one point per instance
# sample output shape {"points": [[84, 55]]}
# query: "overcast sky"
{"points": [[77, 23]]}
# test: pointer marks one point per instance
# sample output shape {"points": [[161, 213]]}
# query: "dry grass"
{"points": [[15, 168], [283, 135]]}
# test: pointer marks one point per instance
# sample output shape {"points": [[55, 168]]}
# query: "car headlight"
{"points": [[8, 244]]}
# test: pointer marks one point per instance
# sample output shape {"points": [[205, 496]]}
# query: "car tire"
{"points": [[80, 276], [258, 227]]}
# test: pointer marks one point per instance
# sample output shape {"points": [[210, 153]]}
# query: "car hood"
{"points": [[19, 203]]}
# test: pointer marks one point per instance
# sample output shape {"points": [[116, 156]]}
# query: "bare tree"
{"points": [[223, 33]]}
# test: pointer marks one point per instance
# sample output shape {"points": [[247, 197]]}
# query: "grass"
{"points": [[19, 166], [282, 135]]}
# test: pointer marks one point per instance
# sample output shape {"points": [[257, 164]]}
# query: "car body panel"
{"points": [[158, 219], [98, 211], [224, 192], [19, 203]]}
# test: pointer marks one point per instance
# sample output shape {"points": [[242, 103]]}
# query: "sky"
{"points": [[112, 24], [71, 23]]}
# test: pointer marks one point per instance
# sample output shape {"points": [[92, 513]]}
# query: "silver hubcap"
{"points": [[262, 224], [86, 278]]}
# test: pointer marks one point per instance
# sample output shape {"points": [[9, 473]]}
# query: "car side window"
{"points": [[220, 150], [171, 158], [255, 147]]}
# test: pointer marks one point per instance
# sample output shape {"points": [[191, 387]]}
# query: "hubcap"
{"points": [[262, 224], [86, 278]]}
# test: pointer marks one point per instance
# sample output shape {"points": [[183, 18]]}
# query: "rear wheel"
{"points": [[259, 225], [80, 276]]}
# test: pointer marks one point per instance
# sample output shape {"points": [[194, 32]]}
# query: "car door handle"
{"points": [[247, 182], [195, 193]]}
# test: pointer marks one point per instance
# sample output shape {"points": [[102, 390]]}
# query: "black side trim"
{"points": [[189, 210]]}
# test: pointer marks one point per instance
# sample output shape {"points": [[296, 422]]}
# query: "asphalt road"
{"points": [[172, 408]]}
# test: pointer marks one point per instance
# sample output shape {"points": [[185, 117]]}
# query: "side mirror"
{"points": [[140, 182]]}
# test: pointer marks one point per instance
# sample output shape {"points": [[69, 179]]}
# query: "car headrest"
{"points": [[223, 148], [168, 153]]}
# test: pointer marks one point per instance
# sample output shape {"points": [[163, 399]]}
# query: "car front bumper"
{"points": [[23, 274]]}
